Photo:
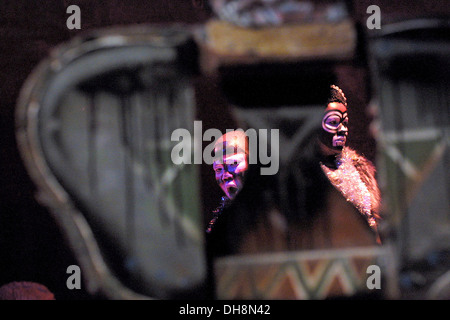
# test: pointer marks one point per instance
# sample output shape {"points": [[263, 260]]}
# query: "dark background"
{"points": [[32, 247]]}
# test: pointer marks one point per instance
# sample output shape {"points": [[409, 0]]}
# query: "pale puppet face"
{"points": [[335, 126], [230, 171]]}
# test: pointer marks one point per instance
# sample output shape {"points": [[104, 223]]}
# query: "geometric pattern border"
{"points": [[318, 274]]}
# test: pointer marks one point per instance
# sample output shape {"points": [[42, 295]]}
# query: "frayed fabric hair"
{"points": [[337, 95]]}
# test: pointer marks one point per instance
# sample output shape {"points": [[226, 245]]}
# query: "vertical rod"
{"points": [[159, 112], [91, 141], [126, 135], [176, 123], [400, 179]]}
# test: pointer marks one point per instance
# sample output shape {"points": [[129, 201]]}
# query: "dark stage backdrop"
{"points": [[32, 248]]}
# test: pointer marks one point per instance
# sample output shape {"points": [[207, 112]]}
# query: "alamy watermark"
{"points": [[188, 150], [74, 20], [373, 280], [374, 20], [74, 280]]}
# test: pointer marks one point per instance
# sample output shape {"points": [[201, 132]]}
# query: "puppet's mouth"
{"points": [[232, 189], [339, 141]]}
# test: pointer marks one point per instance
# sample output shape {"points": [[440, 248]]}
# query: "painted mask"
{"points": [[335, 126], [230, 171]]}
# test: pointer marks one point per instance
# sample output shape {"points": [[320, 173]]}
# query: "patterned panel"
{"points": [[296, 275], [412, 85], [98, 145]]}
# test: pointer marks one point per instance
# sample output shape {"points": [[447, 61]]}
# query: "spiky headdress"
{"points": [[337, 95]]}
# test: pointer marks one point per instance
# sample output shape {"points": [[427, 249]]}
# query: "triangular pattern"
{"points": [[263, 277], [336, 281], [295, 278], [287, 286], [312, 272]]}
